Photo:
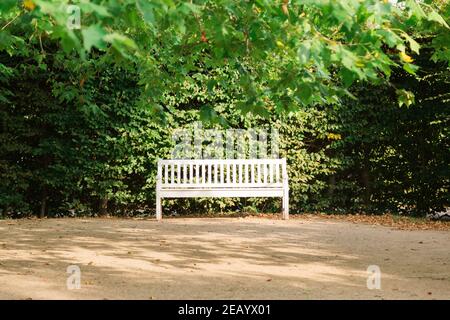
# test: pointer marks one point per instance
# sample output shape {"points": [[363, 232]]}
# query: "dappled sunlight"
{"points": [[128, 258]]}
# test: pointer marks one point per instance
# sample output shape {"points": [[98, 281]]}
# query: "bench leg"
{"points": [[286, 206], [158, 208]]}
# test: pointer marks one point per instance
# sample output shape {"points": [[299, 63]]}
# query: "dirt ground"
{"points": [[220, 258]]}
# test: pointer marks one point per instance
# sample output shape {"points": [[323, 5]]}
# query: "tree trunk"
{"points": [[366, 183], [331, 185], [43, 203], [103, 209]]}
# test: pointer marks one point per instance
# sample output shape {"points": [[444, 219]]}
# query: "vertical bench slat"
{"points": [[271, 173], [166, 173], [215, 173], [258, 167], [203, 173], [209, 173], [252, 174], [198, 173], [159, 180], [285, 190], [277, 173], [240, 173], [159, 175], [265, 172]]}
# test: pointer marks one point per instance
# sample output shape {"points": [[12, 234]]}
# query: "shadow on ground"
{"points": [[219, 258]]}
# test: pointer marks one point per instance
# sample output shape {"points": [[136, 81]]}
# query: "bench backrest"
{"points": [[209, 173]]}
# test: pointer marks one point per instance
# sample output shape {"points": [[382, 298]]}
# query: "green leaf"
{"points": [[405, 97], [305, 93], [207, 114], [348, 77], [410, 68], [6, 5], [87, 6], [434, 16], [210, 85], [188, 8], [304, 52], [416, 9], [121, 43], [147, 10], [412, 43], [93, 37], [389, 37], [69, 40]]}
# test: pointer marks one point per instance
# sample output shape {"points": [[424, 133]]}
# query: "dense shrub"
{"points": [[76, 138]]}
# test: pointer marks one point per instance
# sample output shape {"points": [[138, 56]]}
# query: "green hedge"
{"points": [[77, 139]]}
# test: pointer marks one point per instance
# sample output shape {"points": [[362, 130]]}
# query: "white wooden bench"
{"points": [[222, 178]]}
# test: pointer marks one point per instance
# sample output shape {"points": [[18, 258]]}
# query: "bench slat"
{"points": [[221, 185]]}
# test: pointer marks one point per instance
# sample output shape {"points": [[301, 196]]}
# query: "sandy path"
{"points": [[226, 258]]}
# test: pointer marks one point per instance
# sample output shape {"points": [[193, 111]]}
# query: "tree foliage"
{"points": [[303, 51]]}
